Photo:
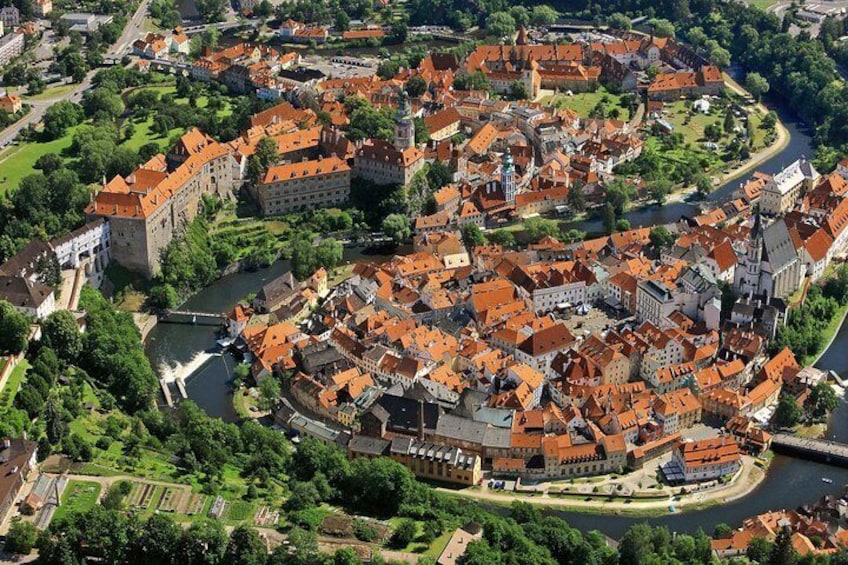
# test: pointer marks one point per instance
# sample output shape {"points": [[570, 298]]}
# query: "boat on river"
{"points": [[826, 480]]}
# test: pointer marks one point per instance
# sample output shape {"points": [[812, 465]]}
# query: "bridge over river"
{"points": [[193, 318], [822, 450]]}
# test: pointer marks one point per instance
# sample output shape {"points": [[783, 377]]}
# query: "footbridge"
{"points": [[190, 317], [821, 450]]}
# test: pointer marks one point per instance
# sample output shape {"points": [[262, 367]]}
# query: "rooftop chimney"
{"points": [[420, 420]]}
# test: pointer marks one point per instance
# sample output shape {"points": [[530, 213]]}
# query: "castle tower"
{"points": [[508, 177], [404, 125]]}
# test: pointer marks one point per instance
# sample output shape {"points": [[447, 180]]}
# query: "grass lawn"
{"points": [[584, 102], [763, 4], [52, 92], [143, 135], [18, 161], [79, 496], [693, 131], [13, 385]]}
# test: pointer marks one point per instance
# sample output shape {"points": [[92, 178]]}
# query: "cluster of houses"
{"points": [[454, 360], [816, 529], [618, 61]]}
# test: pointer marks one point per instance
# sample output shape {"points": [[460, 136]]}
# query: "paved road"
{"points": [[131, 32]]}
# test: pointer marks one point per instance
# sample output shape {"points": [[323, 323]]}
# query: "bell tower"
{"points": [[404, 124], [508, 177]]}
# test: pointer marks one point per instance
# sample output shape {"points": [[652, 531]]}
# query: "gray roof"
{"points": [[778, 248], [368, 445], [23, 293], [462, 429], [498, 417], [498, 437]]}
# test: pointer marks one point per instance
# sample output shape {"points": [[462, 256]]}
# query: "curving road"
{"points": [[131, 32]]}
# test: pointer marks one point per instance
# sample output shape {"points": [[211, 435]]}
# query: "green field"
{"points": [[763, 4], [583, 103], [19, 161], [13, 385], [53, 92], [79, 496]]}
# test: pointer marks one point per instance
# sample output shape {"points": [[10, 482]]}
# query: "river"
{"points": [[789, 483], [173, 347]]}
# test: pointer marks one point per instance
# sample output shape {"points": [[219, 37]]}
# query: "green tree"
{"points": [[662, 28], [618, 20], [659, 191], [822, 401], [245, 547], [758, 550], [269, 392], [164, 297], [14, 329], [415, 86], [60, 332], [703, 184], [729, 122], [21, 536], [329, 253], [500, 24], [342, 21], [720, 57], [543, 15], [537, 228], [660, 237], [788, 413], [396, 226], [756, 84], [404, 533], [346, 556], [102, 103], [211, 10], [782, 552], [502, 237], [472, 236], [576, 197], [722, 530], [622, 224], [61, 116], [608, 217], [156, 542], [203, 543], [265, 155], [517, 91]]}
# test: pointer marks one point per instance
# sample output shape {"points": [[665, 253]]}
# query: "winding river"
{"points": [[789, 483]]}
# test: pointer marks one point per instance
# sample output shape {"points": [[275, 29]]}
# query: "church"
{"points": [[771, 266]]}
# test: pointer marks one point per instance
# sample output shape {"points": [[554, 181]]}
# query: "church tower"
{"points": [[404, 125], [508, 177], [747, 274]]}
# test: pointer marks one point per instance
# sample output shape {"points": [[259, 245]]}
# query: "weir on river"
{"points": [[788, 484]]}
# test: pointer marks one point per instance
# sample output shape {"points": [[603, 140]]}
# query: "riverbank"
{"points": [[744, 483]]}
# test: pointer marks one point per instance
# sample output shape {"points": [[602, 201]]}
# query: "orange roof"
{"points": [[326, 166], [483, 139], [716, 451], [145, 191], [441, 120], [363, 34]]}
